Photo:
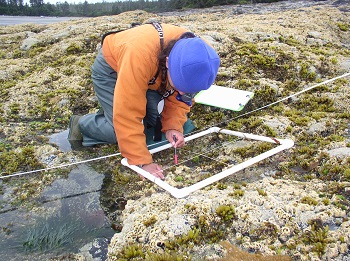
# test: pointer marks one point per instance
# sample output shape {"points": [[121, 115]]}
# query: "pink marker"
{"points": [[175, 154]]}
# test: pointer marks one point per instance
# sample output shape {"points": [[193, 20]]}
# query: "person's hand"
{"points": [[153, 168], [180, 140]]}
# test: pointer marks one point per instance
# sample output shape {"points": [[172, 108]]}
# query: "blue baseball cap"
{"points": [[193, 65]]}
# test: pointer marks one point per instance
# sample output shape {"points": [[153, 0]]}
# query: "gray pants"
{"points": [[97, 128]]}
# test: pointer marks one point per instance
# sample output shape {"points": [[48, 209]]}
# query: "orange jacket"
{"points": [[133, 54]]}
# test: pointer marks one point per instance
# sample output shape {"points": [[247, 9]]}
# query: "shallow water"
{"points": [[60, 139], [12, 20], [69, 215]]}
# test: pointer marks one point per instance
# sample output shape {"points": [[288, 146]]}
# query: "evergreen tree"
{"points": [[38, 7]]}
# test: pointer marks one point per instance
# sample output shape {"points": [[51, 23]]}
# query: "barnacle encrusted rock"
{"points": [[274, 50], [265, 221]]}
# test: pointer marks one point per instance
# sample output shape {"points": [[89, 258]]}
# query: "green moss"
{"points": [[347, 174], [237, 186], [343, 27], [246, 70], [300, 120], [222, 75], [131, 252], [263, 61], [341, 82], [182, 246], [221, 186], [5, 86], [17, 54], [54, 77], [261, 192], [183, 241], [178, 178], [278, 108], [35, 50], [203, 233], [344, 115], [331, 170], [226, 212], [340, 204], [311, 102], [309, 200], [289, 129], [119, 177], [305, 73], [73, 49], [2, 54], [335, 188], [14, 108], [248, 125], [334, 60], [246, 83], [237, 193], [263, 96], [247, 49], [190, 207], [326, 201], [36, 125], [269, 60], [68, 72], [166, 257], [221, 83], [291, 245], [291, 84], [149, 222], [19, 159], [268, 131], [317, 115], [307, 149], [317, 237], [252, 150], [290, 40]]}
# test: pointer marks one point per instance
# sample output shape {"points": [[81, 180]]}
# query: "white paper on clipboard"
{"points": [[223, 97]]}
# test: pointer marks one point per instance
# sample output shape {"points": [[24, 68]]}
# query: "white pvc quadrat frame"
{"points": [[183, 192]]}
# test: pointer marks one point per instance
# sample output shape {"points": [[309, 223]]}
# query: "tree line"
{"points": [[85, 9]]}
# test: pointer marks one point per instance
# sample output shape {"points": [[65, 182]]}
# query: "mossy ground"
{"points": [[44, 85]]}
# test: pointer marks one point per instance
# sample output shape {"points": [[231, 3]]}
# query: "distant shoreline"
{"points": [[14, 20]]}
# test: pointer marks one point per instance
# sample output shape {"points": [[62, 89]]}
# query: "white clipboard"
{"points": [[223, 97]]}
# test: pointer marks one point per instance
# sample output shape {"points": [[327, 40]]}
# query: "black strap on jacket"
{"points": [[159, 29]]}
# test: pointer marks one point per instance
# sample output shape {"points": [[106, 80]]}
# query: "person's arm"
{"points": [[130, 107], [174, 117]]}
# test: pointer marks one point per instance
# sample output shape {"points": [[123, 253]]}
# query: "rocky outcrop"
{"points": [[260, 222], [295, 204]]}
